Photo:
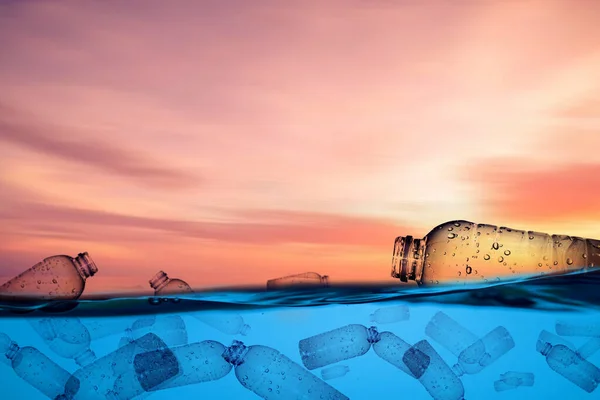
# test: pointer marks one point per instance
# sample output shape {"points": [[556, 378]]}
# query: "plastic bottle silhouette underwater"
{"points": [[67, 337], [95, 380], [306, 279], [484, 352], [463, 252], [512, 380], [336, 371], [232, 324], [581, 328], [336, 345], [54, 278], [391, 348], [451, 335], [389, 315], [192, 364], [433, 373], [589, 348], [34, 367], [103, 327], [272, 375], [170, 328], [570, 365]]}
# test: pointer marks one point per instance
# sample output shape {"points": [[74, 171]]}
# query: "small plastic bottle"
{"points": [[55, 278], [306, 279], [337, 345], [512, 380], [484, 352], [170, 328], [67, 337], [570, 365], [390, 315], [433, 373], [463, 252], [228, 324], [165, 286], [336, 371], [272, 375], [451, 335], [34, 367], [581, 328]]}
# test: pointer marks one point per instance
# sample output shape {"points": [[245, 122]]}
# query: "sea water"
{"points": [[281, 319]]}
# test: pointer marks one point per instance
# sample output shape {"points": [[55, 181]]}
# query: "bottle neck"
{"points": [[85, 265], [407, 261], [159, 281]]}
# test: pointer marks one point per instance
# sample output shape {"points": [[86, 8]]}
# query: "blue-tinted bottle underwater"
{"points": [[532, 339]]}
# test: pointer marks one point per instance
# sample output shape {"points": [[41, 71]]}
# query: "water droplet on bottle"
{"points": [[450, 228], [54, 281], [459, 273], [500, 259], [39, 281], [451, 235], [270, 390], [22, 285], [266, 370], [584, 255], [555, 263], [456, 224], [530, 237], [539, 264], [569, 261], [495, 246], [507, 252], [468, 269], [486, 257]]}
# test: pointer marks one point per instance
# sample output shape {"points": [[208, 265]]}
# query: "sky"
{"points": [[231, 142]]}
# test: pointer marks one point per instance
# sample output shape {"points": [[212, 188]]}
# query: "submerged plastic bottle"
{"points": [[463, 252], [512, 380], [170, 328], [336, 371], [336, 345], [67, 337], [96, 380], [34, 367], [579, 328], [570, 365], [232, 324], [306, 279], [54, 278], [272, 375], [390, 315]]}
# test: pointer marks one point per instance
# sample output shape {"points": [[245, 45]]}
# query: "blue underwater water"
{"points": [[280, 320]]}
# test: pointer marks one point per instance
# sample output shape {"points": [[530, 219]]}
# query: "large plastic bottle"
{"points": [[433, 373], [97, 379], [463, 252], [67, 337], [34, 367], [336, 345], [272, 375], [54, 278], [570, 365], [194, 363], [305, 279]]}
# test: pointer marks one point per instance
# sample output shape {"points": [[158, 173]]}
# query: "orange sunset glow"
{"points": [[231, 142]]}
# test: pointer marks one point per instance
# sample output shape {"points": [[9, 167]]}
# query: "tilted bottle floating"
{"points": [[96, 380], [463, 252], [231, 325], [421, 362], [474, 354], [390, 315], [67, 337], [512, 380], [337, 345], [54, 278], [569, 364], [305, 279], [260, 369], [34, 367]]}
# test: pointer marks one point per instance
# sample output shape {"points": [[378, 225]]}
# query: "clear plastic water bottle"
{"points": [[170, 328], [165, 286], [194, 363], [272, 375], [34, 367], [451, 335], [391, 348], [463, 252], [390, 315], [589, 348], [336, 345], [228, 324], [570, 365], [54, 278], [433, 373], [95, 380], [306, 279], [67, 337], [580, 328], [484, 352], [512, 380]]}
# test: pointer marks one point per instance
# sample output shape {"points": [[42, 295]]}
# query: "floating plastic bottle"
{"points": [[67, 337], [170, 328], [232, 324], [433, 373], [192, 364], [570, 365], [272, 375], [580, 328], [96, 380], [512, 380], [389, 315], [55, 278], [306, 279], [34, 367], [463, 252], [165, 286], [337, 345], [337, 371], [484, 352]]}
